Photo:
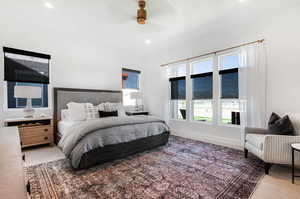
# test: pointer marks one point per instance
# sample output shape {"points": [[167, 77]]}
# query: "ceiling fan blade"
{"points": [[120, 12], [158, 8]]}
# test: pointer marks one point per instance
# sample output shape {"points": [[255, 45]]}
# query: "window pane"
{"points": [[230, 85], [178, 109], [13, 102], [229, 61], [202, 110], [178, 89], [203, 66], [127, 101], [203, 87], [230, 112], [178, 70], [130, 79]]}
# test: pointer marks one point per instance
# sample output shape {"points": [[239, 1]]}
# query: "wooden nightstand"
{"points": [[137, 113], [33, 131]]}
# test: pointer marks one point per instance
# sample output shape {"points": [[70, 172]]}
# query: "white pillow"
{"points": [[64, 114], [76, 111]]}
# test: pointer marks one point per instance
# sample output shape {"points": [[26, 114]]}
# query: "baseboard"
{"points": [[232, 143]]}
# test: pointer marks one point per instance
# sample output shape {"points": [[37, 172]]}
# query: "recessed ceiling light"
{"points": [[147, 41], [49, 5]]}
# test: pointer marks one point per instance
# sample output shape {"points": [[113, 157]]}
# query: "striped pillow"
{"points": [[91, 111]]}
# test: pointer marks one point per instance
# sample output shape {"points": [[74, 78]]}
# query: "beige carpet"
{"points": [[277, 185]]}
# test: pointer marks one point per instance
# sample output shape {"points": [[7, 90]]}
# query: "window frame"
{"points": [[220, 99], [130, 89], [216, 100], [169, 76], [191, 72], [5, 104]]}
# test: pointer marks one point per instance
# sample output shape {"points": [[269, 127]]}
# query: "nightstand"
{"points": [[33, 131], [130, 113]]}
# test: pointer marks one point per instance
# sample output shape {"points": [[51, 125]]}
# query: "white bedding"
{"points": [[64, 125]]}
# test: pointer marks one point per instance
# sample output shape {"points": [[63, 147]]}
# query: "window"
{"points": [[13, 102], [229, 80], [202, 90], [130, 84], [178, 91], [193, 94]]}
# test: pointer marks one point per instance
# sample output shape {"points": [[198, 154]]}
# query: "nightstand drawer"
{"points": [[34, 140], [35, 131]]}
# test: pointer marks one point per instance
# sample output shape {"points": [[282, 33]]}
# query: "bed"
{"points": [[89, 143]]}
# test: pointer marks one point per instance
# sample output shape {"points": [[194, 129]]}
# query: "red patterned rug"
{"points": [[182, 169]]}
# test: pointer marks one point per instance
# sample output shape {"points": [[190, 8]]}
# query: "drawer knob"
{"points": [[45, 130], [23, 157], [46, 138]]}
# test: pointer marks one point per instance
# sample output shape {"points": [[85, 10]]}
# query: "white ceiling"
{"points": [[111, 24]]}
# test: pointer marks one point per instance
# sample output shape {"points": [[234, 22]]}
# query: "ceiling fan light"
{"points": [[141, 20]]}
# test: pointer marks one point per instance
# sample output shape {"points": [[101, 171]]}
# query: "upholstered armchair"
{"points": [[272, 149]]}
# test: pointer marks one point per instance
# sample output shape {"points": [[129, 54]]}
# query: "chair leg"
{"points": [[267, 168], [246, 152]]}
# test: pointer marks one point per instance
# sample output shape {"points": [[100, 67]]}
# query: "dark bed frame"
{"points": [[110, 152]]}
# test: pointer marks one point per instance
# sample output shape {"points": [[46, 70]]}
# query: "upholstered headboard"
{"points": [[62, 96]]}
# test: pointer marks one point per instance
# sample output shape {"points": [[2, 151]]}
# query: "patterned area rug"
{"points": [[182, 169]]}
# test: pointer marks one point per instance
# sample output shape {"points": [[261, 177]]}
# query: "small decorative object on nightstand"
{"points": [[33, 131], [295, 147], [130, 113]]}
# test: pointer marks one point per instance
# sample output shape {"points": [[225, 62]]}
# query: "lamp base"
{"points": [[29, 113]]}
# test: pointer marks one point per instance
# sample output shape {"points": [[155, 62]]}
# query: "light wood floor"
{"points": [[277, 185]]}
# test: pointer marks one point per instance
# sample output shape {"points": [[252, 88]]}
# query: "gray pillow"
{"points": [[280, 126]]}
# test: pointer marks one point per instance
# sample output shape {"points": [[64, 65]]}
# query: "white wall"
{"points": [[281, 31], [72, 65], [89, 43]]}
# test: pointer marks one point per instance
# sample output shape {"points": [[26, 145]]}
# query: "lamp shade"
{"points": [[31, 92], [136, 95]]}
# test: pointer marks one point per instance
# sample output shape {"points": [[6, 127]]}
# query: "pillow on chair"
{"points": [[280, 126]]}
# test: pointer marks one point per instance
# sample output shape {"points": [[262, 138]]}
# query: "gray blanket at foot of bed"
{"points": [[93, 134]]}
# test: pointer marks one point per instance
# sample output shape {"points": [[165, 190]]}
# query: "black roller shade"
{"points": [[25, 69], [178, 88], [229, 84], [202, 86]]}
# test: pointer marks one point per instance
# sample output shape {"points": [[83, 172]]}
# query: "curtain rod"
{"points": [[215, 52]]}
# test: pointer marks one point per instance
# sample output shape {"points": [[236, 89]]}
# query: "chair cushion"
{"points": [[256, 140]]}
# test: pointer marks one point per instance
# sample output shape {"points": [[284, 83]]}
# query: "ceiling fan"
{"points": [[154, 13], [142, 13]]}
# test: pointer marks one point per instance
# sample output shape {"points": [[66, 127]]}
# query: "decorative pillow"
{"points": [[121, 111], [110, 107], [280, 126], [91, 111], [76, 111], [108, 114]]}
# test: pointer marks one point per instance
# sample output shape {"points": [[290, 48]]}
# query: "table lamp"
{"points": [[29, 93], [138, 98]]}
